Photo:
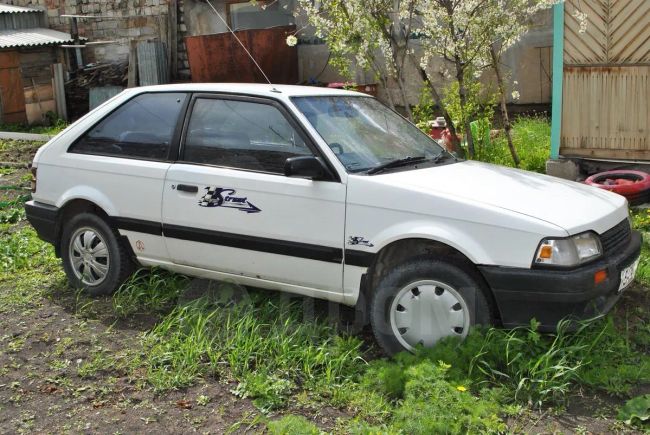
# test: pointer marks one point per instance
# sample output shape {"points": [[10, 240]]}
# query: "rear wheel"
{"points": [[424, 300], [93, 256]]}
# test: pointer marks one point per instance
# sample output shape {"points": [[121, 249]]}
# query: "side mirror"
{"points": [[305, 167]]}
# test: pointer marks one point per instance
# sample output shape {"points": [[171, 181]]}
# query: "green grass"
{"points": [[27, 267], [148, 292], [57, 127], [532, 139], [292, 425], [265, 346]]}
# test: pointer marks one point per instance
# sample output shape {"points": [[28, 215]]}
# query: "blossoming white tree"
{"points": [[360, 33], [469, 35]]}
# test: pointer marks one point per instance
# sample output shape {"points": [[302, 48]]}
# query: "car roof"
{"points": [[257, 89]]}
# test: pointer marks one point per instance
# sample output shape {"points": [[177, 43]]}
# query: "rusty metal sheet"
{"points": [[220, 58]]}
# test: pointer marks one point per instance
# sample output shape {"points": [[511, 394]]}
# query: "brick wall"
{"points": [[126, 20]]}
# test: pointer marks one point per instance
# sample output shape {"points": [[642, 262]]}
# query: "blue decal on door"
{"points": [[225, 197]]}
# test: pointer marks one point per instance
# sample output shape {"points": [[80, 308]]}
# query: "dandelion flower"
{"points": [[461, 388]]}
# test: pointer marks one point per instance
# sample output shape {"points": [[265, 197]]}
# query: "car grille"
{"points": [[615, 239]]}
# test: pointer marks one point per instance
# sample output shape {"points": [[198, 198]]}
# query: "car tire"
{"points": [[94, 258], [425, 299]]}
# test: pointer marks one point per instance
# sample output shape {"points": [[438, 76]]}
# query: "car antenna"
{"points": [[242, 45]]}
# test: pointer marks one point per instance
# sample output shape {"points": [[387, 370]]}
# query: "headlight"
{"points": [[570, 251]]}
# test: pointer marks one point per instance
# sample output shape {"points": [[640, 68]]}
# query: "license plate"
{"points": [[627, 275]]}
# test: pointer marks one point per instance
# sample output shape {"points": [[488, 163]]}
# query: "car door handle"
{"points": [[187, 188]]}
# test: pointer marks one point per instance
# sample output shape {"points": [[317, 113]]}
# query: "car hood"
{"points": [[575, 207]]}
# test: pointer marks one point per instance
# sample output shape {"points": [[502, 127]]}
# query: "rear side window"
{"points": [[141, 128], [241, 134]]}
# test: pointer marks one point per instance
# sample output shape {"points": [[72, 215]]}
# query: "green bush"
{"points": [[532, 139], [433, 405]]}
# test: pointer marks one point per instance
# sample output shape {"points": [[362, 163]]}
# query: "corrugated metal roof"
{"points": [[11, 9], [32, 37]]}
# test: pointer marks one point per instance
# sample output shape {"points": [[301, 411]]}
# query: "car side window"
{"points": [[241, 134], [141, 128]]}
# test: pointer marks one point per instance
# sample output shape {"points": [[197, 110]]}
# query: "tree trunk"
{"points": [[402, 91], [507, 126], [455, 143], [462, 94], [384, 83]]}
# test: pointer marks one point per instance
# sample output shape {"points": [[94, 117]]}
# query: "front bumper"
{"points": [[43, 218], [552, 295]]}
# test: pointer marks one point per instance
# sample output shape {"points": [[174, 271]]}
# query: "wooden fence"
{"points": [[606, 94]]}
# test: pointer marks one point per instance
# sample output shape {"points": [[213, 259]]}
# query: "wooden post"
{"points": [[58, 84], [173, 39], [132, 76]]}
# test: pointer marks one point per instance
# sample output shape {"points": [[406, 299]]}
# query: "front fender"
{"points": [[440, 232]]}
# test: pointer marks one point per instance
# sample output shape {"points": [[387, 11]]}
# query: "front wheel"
{"points": [[424, 300], [93, 257]]}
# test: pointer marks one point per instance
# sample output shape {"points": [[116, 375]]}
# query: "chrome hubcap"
{"points": [[424, 312], [89, 256]]}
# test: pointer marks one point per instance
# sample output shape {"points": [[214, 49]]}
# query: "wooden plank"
{"points": [[606, 154], [132, 74], [12, 96]]}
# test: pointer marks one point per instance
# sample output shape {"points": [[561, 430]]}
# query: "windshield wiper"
{"points": [[396, 163]]}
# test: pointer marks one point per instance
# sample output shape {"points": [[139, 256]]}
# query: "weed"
{"points": [[202, 400], [19, 147], [23, 249], [292, 425], [641, 222], [148, 291], [531, 137], [12, 212], [525, 366], [636, 411], [434, 405], [101, 361], [265, 346]]}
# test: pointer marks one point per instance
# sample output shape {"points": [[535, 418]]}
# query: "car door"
{"points": [[228, 207]]}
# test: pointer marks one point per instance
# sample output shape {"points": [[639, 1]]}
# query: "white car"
{"points": [[329, 194]]}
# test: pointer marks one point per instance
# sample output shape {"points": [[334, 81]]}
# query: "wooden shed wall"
{"points": [[36, 68], [606, 91]]}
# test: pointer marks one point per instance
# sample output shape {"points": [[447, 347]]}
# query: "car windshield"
{"points": [[364, 134]]}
